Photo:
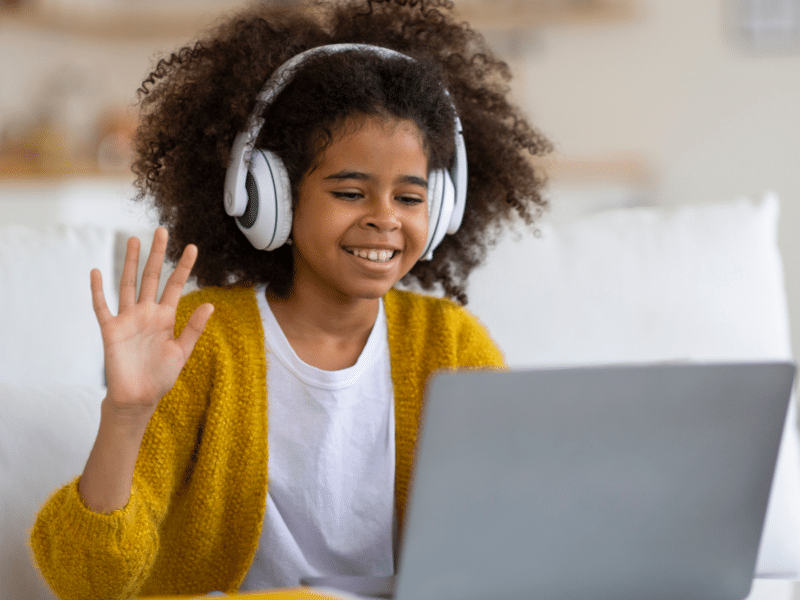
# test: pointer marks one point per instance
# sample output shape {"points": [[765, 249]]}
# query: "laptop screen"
{"points": [[597, 482]]}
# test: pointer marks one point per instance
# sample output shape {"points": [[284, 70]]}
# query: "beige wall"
{"points": [[712, 120]]}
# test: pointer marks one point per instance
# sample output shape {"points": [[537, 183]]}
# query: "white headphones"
{"points": [[257, 190]]}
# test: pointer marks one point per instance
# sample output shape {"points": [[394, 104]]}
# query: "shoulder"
{"points": [[413, 307], [232, 343], [234, 307], [431, 323], [223, 298], [234, 329]]}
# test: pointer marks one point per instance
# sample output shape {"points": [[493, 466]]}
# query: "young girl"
{"points": [[274, 439]]}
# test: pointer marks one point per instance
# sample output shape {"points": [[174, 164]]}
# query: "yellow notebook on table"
{"points": [[301, 593]]}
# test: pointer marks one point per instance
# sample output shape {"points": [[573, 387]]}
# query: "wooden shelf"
{"points": [[165, 21], [16, 168], [494, 15], [115, 23], [628, 169], [623, 169]]}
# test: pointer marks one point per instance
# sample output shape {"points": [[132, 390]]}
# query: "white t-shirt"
{"points": [[330, 500]]}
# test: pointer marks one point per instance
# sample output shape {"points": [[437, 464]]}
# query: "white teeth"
{"points": [[374, 255]]}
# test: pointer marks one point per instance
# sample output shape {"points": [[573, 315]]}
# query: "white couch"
{"points": [[630, 285]]}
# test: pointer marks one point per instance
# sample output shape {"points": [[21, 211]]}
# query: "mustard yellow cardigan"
{"points": [[197, 504]]}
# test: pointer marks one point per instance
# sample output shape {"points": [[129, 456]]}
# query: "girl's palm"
{"points": [[143, 358]]}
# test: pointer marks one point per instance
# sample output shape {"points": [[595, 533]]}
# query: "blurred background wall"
{"points": [[662, 101], [699, 98]]}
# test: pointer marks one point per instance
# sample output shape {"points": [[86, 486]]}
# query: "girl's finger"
{"points": [[179, 277], [99, 298], [194, 327], [127, 284], [152, 269]]}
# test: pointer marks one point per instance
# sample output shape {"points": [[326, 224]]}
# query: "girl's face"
{"points": [[361, 217]]}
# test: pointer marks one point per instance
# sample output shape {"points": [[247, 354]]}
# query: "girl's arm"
{"points": [[98, 537], [143, 361]]}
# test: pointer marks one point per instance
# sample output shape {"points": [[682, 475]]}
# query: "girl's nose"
{"points": [[381, 216]]}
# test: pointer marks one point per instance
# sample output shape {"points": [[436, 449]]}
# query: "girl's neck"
{"points": [[327, 335], [307, 318]]}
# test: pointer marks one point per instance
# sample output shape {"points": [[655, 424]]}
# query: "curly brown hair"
{"points": [[197, 99]]}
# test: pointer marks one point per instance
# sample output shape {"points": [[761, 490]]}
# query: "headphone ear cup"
{"points": [[267, 218], [459, 175], [441, 200]]}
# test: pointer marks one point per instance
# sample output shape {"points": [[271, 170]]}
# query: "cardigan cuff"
{"points": [[117, 547]]}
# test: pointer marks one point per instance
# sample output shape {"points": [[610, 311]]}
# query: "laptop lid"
{"points": [[621, 482]]}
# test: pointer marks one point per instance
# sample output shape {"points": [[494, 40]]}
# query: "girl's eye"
{"points": [[347, 195], [411, 200]]}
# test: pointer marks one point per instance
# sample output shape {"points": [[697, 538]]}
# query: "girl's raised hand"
{"points": [[143, 357]]}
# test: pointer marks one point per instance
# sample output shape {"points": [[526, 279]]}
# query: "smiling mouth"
{"points": [[378, 256]]}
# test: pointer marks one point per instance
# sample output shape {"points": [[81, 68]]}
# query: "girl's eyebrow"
{"points": [[410, 179]]}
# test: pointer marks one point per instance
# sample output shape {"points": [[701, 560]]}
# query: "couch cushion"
{"points": [[701, 282], [46, 433], [49, 329]]}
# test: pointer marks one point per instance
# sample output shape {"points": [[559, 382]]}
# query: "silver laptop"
{"points": [[623, 482]]}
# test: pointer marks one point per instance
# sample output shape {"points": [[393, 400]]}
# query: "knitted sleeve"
{"points": [[83, 554]]}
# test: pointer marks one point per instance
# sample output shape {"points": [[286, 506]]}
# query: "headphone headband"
{"points": [[284, 74]]}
